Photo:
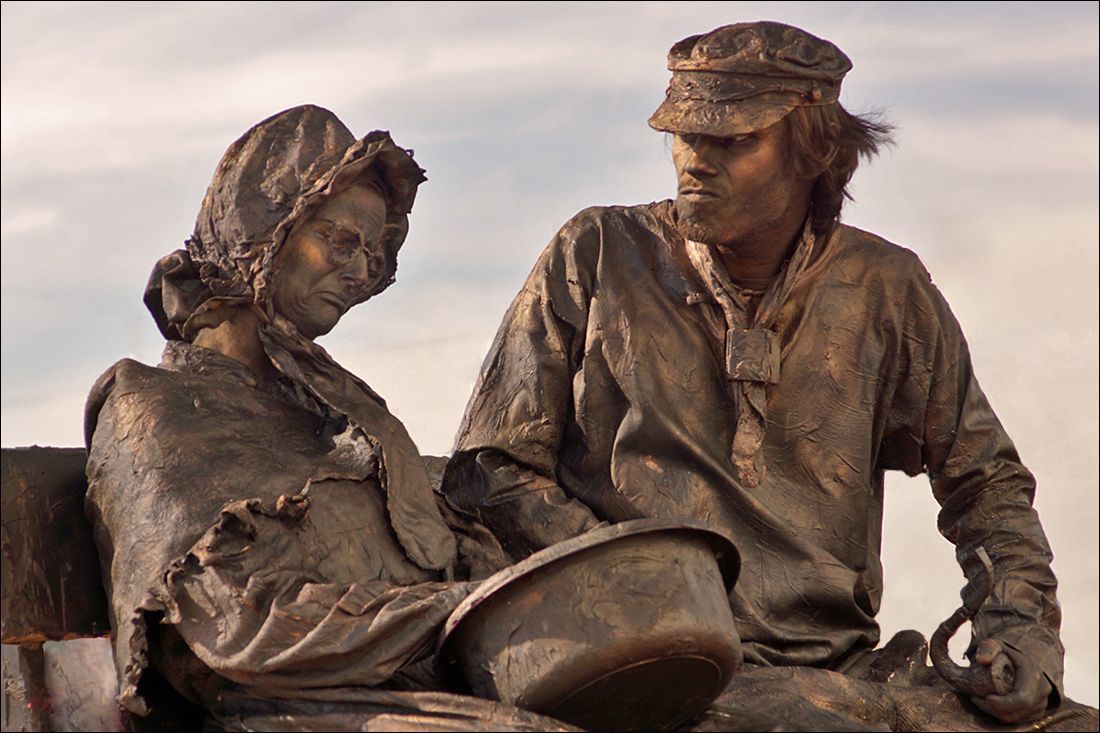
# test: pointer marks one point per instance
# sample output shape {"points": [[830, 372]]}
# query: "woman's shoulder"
{"points": [[184, 422], [143, 388], [126, 370]]}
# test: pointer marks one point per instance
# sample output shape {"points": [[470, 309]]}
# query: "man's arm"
{"points": [[504, 467], [942, 423], [526, 510]]}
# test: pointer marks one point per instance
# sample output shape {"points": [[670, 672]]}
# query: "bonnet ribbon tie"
{"points": [[410, 501]]}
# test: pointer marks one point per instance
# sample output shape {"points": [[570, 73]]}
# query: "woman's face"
{"points": [[330, 261]]}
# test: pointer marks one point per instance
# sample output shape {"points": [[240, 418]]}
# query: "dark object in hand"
{"points": [[977, 680]]}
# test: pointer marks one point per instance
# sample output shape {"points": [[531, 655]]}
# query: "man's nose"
{"points": [[700, 160]]}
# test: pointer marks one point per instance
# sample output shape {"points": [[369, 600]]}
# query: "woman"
{"points": [[272, 545]]}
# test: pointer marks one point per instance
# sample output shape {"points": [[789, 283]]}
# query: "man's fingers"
{"points": [[1010, 708], [986, 707], [1027, 701], [987, 651], [1032, 690]]}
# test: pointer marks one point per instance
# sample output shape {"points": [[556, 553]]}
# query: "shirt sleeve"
{"points": [[504, 466], [941, 423]]}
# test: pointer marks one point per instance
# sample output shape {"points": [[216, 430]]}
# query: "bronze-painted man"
{"points": [[740, 357]]}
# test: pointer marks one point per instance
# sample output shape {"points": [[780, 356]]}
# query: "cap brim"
{"points": [[718, 119]]}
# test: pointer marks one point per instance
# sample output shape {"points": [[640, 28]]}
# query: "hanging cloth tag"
{"points": [[752, 355]]}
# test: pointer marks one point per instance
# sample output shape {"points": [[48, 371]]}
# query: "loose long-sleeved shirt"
{"points": [[605, 398]]}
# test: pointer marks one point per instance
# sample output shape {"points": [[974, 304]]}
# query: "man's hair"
{"points": [[827, 142]]}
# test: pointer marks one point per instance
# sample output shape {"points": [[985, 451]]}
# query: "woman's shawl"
{"points": [[242, 520]]}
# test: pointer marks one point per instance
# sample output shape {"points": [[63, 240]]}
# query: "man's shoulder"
{"points": [[888, 278], [865, 254], [600, 220], [618, 212], [597, 232]]}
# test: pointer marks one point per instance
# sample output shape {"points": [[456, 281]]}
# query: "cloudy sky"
{"points": [[114, 116]]}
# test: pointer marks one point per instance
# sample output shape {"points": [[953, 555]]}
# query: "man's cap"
{"points": [[745, 77]]}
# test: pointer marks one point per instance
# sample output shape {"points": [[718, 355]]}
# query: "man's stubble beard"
{"points": [[703, 226]]}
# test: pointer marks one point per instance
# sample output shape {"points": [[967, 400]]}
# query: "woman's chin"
{"points": [[317, 323]]}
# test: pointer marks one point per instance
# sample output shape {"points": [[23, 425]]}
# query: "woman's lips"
{"points": [[334, 299]]}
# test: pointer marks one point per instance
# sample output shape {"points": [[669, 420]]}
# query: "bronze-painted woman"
{"points": [[272, 543]]}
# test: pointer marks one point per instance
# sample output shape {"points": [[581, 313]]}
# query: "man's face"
{"points": [[330, 261], [737, 190]]}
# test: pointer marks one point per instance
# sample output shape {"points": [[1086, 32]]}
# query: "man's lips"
{"points": [[697, 192]]}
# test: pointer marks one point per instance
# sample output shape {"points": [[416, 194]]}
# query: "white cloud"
{"points": [[27, 220]]}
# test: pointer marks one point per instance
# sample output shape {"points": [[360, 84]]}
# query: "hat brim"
{"points": [[718, 119]]}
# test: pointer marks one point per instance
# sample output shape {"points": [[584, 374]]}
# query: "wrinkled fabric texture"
{"points": [[361, 709], [745, 77], [808, 699], [257, 528], [410, 504], [276, 174], [604, 398]]}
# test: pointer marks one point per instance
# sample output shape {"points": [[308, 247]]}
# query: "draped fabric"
{"points": [[409, 501], [258, 528]]}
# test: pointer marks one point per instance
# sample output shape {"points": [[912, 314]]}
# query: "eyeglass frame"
{"points": [[340, 255]]}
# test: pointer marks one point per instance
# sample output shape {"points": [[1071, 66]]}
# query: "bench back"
{"points": [[51, 588]]}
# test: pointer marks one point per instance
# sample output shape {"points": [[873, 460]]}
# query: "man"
{"points": [[740, 357]]}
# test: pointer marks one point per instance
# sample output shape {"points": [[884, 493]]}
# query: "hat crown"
{"points": [[763, 48], [747, 76]]}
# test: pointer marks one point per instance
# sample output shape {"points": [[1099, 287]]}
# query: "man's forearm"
{"points": [[525, 510], [1022, 611], [986, 496]]}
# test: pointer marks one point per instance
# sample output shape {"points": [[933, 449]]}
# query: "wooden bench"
{"points": [[57, 665]]}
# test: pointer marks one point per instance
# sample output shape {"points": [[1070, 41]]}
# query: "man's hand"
{"points": [[1031, 689]]}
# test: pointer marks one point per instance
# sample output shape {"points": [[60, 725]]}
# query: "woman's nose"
{"points": [[356, 272]]}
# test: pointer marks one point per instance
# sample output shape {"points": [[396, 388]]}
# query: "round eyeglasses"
{"points": [[342, 244]]}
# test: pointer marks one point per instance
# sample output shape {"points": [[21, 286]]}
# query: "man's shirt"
{"points": [[605, 398]]}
